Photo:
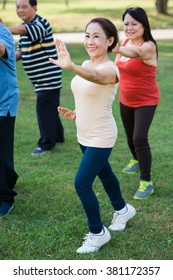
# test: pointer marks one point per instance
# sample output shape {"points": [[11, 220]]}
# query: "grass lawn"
{"points": [[48, 221], [79, 12]]}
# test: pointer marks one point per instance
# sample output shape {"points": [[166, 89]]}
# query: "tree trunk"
{"points": [[67, 3], [4, 4], [161, 6]]}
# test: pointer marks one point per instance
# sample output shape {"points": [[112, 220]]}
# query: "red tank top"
{"points": [[138, 85]]}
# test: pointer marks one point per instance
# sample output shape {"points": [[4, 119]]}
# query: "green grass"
{"points": [[79, 12], [48, 221]]}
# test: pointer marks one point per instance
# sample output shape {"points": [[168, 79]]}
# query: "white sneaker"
{"points": [[119, 220], [93, 242]]}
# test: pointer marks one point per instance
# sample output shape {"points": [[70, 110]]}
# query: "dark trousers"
{"points": [[50, 126], [8, 176], [95, 163], [137, 122]]}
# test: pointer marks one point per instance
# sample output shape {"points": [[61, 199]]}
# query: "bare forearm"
{"points": [[98, 76], [87, 73], [19, 30], [129, 51]]}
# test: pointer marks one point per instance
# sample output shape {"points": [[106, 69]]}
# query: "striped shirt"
{"points": [[36, 47]]}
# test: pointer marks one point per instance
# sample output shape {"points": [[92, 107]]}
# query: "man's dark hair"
{"points": [[33, 2]]}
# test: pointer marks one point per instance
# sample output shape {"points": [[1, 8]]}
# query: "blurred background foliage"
{"points": [[73, 15]]}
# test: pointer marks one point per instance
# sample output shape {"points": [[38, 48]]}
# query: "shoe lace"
{"points": [[118, 218], [88, 238], [143, 186], [132, 163]]}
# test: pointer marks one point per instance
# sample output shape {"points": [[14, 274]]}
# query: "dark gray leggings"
{"points": [[136, 123]]}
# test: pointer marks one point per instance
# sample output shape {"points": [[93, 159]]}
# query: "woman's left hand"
{"points": [[67, 113]]}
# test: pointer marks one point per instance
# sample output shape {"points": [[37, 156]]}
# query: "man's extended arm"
{"points": [[19, 30]]}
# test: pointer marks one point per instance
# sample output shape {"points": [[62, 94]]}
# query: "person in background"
{"points": [[36, 45], [94, 88], [139, 93], [9, 98]]}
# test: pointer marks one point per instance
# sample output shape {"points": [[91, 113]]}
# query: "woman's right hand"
{"points": [[67, 113], [116, 48], [64, 59]]}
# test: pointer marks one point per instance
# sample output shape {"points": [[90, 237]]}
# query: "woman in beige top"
{"points": [[94, 88]]}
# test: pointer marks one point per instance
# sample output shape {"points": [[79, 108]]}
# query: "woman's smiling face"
{"points": [[133, 29], [96, 42]]}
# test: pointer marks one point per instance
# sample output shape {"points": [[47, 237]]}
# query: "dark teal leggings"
{"points": [[95, 163]]}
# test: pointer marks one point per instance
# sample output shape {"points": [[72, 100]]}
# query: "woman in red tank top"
{"points": [[139, 93]]}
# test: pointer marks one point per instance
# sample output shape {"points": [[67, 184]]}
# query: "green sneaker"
{"points": [[145, 190], [132, 167]]}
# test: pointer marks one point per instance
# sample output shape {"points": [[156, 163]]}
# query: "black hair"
{"points": [[109, 28], [140, 15], [33, 2]]}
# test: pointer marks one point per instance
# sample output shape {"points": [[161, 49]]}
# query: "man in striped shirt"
{"points": [[35, 46]]}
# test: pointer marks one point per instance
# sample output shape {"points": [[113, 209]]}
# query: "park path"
{"points": [[78, 37], [158, 34]]}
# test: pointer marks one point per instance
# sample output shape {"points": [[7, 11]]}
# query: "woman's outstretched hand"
{"points": [[67, 113], [64, 59]]}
